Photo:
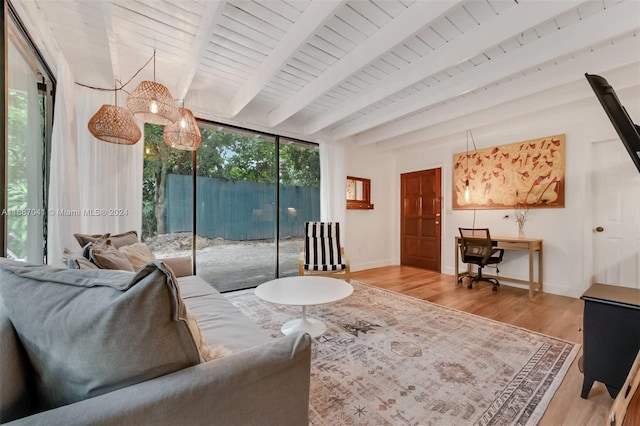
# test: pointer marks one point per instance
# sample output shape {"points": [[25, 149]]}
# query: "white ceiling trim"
{"points": [[570, 39], [611, 57], [512, 21], [413, 19], [311, 20], [208, 22]]}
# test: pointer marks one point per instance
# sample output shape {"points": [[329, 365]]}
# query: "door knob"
{"points": [[599, 229]]}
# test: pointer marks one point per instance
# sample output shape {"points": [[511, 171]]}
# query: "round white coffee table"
{"points": [[304, 291]]}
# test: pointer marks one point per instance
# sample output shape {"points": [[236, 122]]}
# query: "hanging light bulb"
{"points": [[183, 122], [153, 107], [467, 196]]}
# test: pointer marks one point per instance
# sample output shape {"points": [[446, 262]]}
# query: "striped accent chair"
{"points": [[322, 253]]}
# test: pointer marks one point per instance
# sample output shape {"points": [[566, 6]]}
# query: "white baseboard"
{"points": [[546, 288], [370, 265], [560, 290]]}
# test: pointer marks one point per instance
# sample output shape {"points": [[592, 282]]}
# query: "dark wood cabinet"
{"points": [[611, 335]]}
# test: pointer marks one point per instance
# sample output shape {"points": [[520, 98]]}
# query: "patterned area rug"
{"points": [[390, 359]]}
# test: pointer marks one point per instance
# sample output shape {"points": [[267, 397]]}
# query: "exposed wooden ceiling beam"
{"points": [[589, 31], [311, 20], [412, 20], [208, 23], [503, 26], [519, 97]]}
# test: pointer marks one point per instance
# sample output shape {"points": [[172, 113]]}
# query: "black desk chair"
{"points": [[477, 248]]}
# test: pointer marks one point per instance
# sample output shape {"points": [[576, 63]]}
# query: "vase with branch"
{"points": [[520, 213]]}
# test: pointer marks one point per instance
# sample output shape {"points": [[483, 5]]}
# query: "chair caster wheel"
{"points": [[495, 289], [469, 285]]}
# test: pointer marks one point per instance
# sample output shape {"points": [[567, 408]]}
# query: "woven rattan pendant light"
{"points": [[184, 133], [152, 102], [114, 124]]}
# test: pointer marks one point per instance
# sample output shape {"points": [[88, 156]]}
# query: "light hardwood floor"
{"points": [[553, 315]]}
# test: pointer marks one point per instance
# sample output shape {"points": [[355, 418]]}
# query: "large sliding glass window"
{"points": [[236, 208], [29, 111], [253, 193]]}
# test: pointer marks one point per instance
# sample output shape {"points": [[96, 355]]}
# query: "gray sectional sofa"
{"points": [[113, 347]]}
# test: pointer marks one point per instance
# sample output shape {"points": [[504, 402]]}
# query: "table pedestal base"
{"points": [[310, 325]]}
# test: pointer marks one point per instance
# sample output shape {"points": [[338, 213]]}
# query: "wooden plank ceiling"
{"points": [[369, 71]]}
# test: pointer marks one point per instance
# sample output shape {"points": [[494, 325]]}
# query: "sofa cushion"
{"points": [[89, 332], [138, 255], [106, 256], [207, 353], [118, 240], [222, 324], [14, 373]]}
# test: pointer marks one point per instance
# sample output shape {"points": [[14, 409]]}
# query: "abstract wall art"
{"points": [[524, 174]]}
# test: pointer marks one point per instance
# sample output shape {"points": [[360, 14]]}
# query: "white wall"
{"points": [[370, 233], [374, 236]]}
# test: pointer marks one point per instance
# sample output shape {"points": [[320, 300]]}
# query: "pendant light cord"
{"points": [[122, 86], [469, 133]]}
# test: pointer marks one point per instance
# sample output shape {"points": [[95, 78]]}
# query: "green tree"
{"points": [[232, 156], [16, 172], [159, 160], [299, 166]]}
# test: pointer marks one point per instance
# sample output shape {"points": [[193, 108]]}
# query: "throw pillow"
{"points": [[75, 260], [181, 266], [106, 256], [138, 255], [84, 239], [87, 333], [118, 240]]}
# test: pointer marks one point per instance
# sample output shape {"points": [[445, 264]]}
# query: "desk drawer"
{"points": [[514, 245]]}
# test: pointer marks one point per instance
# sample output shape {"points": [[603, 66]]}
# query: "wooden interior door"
{"points": [[421, 219]]}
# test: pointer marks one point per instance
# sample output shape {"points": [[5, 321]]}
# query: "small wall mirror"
{"points": [[358, 193]]}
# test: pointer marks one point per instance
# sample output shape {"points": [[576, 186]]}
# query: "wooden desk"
{"points": [[530, 245]]}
